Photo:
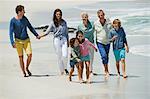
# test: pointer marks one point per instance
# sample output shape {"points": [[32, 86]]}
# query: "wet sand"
{"points": [[46, 82]]}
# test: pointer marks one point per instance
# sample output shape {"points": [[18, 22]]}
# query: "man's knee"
{"points": [[20, 56], [29, 55]]}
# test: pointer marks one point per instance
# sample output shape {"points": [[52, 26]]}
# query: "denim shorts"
{"points": [[73, 63]]}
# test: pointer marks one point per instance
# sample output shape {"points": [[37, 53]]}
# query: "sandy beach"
{"points": [[46, 82]]}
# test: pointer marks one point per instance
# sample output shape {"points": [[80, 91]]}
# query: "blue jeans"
{"points": [[104, 52]]}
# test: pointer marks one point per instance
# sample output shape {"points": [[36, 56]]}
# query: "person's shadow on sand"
{"points": [[128, 76], [42, 75], [92, 82]]}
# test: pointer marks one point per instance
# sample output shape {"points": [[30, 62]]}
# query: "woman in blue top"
{"points": [[60, 31], [119, 45], [18, 30]]}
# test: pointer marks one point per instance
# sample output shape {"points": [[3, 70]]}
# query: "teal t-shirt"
{"points": [[87, 31]]}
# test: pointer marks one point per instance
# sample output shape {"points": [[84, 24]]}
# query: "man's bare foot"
{"points": [[66, 71], [25, 75], [29, 73]]}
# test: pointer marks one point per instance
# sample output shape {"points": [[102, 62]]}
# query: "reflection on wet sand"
{"points": [[102, 96], [118, 93]]}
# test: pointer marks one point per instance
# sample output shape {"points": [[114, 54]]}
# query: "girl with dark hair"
{"points": [[84, 50], [60, 31]]}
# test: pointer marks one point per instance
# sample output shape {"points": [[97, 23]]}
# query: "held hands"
{"points": [[38, 37]]}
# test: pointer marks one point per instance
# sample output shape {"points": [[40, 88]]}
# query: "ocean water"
{"points": [[134, 15], [135, 18]]}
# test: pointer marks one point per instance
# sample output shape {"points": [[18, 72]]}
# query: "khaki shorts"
{"points": [[23, 45]]}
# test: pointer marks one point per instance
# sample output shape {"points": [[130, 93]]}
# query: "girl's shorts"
{"points": [[85, 58]]}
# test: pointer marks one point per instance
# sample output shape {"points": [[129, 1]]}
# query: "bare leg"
{"points": [[91, 53], [106, 70], [79, 71], [123, 68], [70, 74], [118, 68], [81, 67], [87, 63], [22, 65], [28, 63]]}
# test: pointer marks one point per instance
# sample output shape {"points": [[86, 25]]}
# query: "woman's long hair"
{"points": [[55, 20]]}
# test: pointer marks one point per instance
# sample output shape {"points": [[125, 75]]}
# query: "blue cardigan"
{"points": [[119, 42], [18, 29]]}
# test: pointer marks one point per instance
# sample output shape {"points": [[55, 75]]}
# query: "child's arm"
{"points": [[113, 38], [112, 35], [74, 55], [92, 45], [125, 42], [126, 47]]}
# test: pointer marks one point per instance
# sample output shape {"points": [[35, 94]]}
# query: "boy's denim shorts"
{"points": [[73, 63]]}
